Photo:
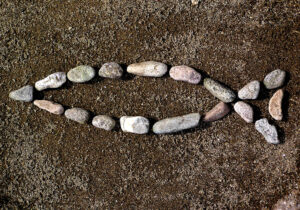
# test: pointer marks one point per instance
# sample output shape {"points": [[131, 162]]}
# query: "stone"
{"points": [[49, 106], [250, 91], [77, 114], [23, 94], [111, 70], [275, 79], [104, 122], [275, 105], [81, 74], [244, 110], [219, 91], [175, 124], [148, 69], [135, 124], [267, 130], [216, 113], [289, 202], [54, 80], [185, 73], [195, 2]]}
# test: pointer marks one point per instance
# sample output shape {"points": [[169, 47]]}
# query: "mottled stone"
{"points": [[111, 70], [195, 2], [289, 202], [274, 79], [135, 124], [175, 124], [216, 113], [148, 69], [244, 110], [275, 105], [250, 91], [77, 114], [81, 74], [49, 106], [219, 91], [185, 73], [54, 80], [267, 130], [104, 122], [23, 94]]}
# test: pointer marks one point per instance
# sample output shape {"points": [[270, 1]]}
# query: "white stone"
{"points": [[54, 80], [135, 124], [148, 69], [250, 91], [104, 122], [244, 110], [267, 130], [81, 74], [23, 94]]}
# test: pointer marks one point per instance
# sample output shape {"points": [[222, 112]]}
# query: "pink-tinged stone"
{"points": [[186, 74], [244, 110], [275, 105], [216, 113], [49, 106]]}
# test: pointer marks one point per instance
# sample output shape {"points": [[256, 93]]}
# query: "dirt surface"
{"points": [[50, 162]]}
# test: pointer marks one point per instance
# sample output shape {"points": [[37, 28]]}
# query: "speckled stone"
{"points": [[216, 113], [77, 114], [267, 130], [274, 79], [275, 105], [54, 80], [104, 122], [135, 124], [148, 69], [49, 106], [219, 91], [250, 91], [185, 73], [23, 94], [195, 2], [175, 124], [244, 110], [289, 202], [81, 74], [111, 70]]}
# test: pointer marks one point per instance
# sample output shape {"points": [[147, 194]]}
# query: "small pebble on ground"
{"points": [[104, 122], [275, 79], [267, 130], [275, 105], [77, 114], [148, 69], [54, 80], [81, 74], [23, 94], [219, 91], [250, 91], [49, 106], [185, 73], [135, 124], [244, 110], [216, 113], [111, 70]]}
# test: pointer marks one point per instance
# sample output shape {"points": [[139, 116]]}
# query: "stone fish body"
{"points": [[23, 94], [104, 122], [77, 114], [49, 106], [216, 113], [148, 69], [81, 74], [267, 130], [135, 124], [111, 70], [219, 91], [250, 91], [54, 80], [185, 73], [244, 110]]}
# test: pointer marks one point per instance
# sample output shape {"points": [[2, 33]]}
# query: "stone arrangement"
{"points": [[141, 125]]}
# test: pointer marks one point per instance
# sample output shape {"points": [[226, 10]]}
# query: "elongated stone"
{"points": [[185, 73], [49, 106], [244, 110], [275, 105], [216, 113], [267, 130], [275, 79], [77, 114], [135, 124], [23, 94], [111, 70], [219, 91], [175, 124], [104, 122], [81, 74], [250, 91], [148, 69], [54, 80]]}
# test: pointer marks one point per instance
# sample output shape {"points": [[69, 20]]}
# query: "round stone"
{"points": [[81, 74], [216, 113], [250, 91], [77, 114], [104, 122], [275, 79], [23, 94], [244, 110], [49, 106], [275, 105], [148, 69], [135, 124], [111, 70], [54, 80], [219, 91], [267, 130], [185, 73]]}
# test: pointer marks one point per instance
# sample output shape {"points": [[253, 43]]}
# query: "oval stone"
{"points": [[77, 114], [267, 130], [81, 74], [216, 113], [250, 91], [135, 124], [148, 69], [111, 70], [275, 79], [185, 73], [104, 122], [275, 105], [54, 80], [23, 94], [244, 110], [49, 106], [219, 91]]}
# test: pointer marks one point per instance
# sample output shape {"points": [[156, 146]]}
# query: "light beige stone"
{"points": [[49, 106], [275, 105]]}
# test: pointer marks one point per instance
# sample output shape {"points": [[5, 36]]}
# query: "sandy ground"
{"points": [[50, 162]]}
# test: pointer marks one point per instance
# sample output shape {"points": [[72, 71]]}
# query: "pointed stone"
{"points": [[185, 73], [135, 124], [244, 110], [54, 80], [275, 105], [275, 79], [216, 113], [267, 130], [250, 91], [148, 69], [219, 91], [23, 94], [77, 114], [49, 106]]}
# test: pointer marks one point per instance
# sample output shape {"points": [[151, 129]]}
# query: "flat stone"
{"points": [[175, 124], [23, 94], [135, 124], [275, 79], [244, 110], [185, 73], [81, 74], [104, 122], [148, 69], [77, 114], [111, 70], [219, 91], [49, 106], [267, 130], [250, 91], [216, 113], [275, 105], [54, 80]]}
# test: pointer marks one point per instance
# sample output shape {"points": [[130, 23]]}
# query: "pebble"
{"points": [[81, 74], [111, 70], [185, 73], [104, 122], [49, 106], [267, 130], [23, 94], [54, 80], [175, 124], [219, 91], [250, 91], [195, 2], [275, 105], [77, 114], [135, 124], [216, 113], [274, 79], [244, 110], [148, 69]]}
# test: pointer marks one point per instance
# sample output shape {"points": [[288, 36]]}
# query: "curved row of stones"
{"points": [[139, 124]]}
